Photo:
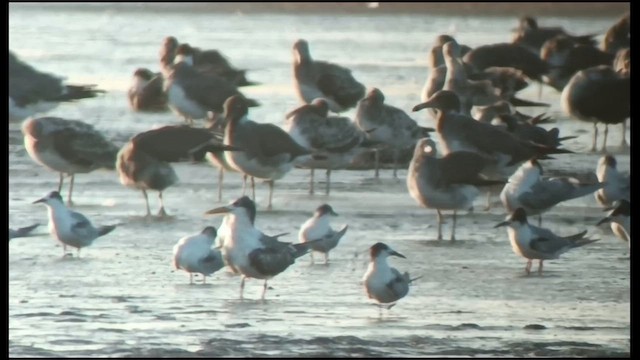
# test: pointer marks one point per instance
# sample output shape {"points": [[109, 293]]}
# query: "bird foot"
{"points": [[162, 213]]}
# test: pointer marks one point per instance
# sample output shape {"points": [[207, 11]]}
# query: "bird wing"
{"points": [[549, 192], [462, 167], [208, 90], [399, 285], [270, 261], [86, 148], [81, 225], [273, 141], [338, 83], [28, 85], [152, 96], [337, 134]]}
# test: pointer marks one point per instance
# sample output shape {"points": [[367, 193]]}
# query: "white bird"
{"points": [[617, 186], [249, 252], [70, 227], [620, 219], [318, 228], [383, 283], [22, 232], [529, 190], [532, 242], [194, 254]]}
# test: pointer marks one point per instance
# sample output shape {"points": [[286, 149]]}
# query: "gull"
{"points": [[528, 190], [620, 219], [617, 186], [314, 79], [447, 183], [388, 125], [385, 284], [194, 254], [192, 94], [143, 163], [599, 94], [318, 228], [529, 131], [337, 138], [145, 93], [269, 152], [618, 36], [32, 92], [249, 252], [507, 55], [68, 147], [537, 243], [22, 232], [70, 227]]}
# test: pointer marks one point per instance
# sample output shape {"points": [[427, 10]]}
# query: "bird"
{"points": [[537, 243], [435, 57], [146, 93], [447, 183], [618, 36], [314, 79], [382, 283], [32, 92], [622, 62], [70, 227], [532, 36], [249, 252], [269, 152], [337, 138], [617, 185], [620, 219], [529, 131], [143, 163], [599, 95], [527, 189], [388, 125], [67, 147], [194, 254], [191, 94], [318, 228], [22, 232]]}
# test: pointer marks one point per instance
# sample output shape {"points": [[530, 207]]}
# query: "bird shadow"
{"points": [[535, 275], [446, 243], [153, 219], [195, 286]]}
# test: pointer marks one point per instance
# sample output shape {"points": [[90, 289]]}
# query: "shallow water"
{"points": [[122, 297]]}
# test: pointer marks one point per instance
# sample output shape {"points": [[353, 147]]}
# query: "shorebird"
{"points": [[536, 243], [318, 228], [618, 36], [321, 79], [249, 252], [191, 94], [194, 254], [447, 183], [617, 186], [70, 227], [622, 62], [507, 55], [532, 36], [599, 94], [144, 161], [388, 125], [620, 219], [527, 189], [529, 131], [22, 232], [337, 138], [68, 147], [269, 152], [385, 284], [146, 93], [435, 57], [32, 92]]}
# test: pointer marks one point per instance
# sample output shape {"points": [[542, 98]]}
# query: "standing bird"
{"points": [[532, 242], [318, 228], [68, 147], [70, 227], [599, 94], [620, 219], [527, 189], [146, 93], [383, 283], [617, 186], [269, 152], [144, 161], [618, 36], [22, 232], [322, 79], [388, 125], [249, 252], [194, 254], [447, 183], [32, 92]]}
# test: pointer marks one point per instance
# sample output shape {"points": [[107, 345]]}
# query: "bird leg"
{"points": [[540, 220], [204, 279], [328, 182], [162, 212], [69, 202], [264, 289], [528, 267], [595, 136], [220, 179], [377, 162], [488, 205], [60, 183], [604, 143], [190, 278], [326, 258], [312, 260], [540, 85], [242, 288], [78, 253], [396, 155], [244, 184], [624, 144], [64, 250], [311, 182], [271, 184], [540, 267], [146, 200], [453, 227], [253, 189], [439, 225]]}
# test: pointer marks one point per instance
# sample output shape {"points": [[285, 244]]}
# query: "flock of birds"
{"points": [[471, 93]]}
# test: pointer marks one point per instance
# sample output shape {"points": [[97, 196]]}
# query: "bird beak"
{"points": [[504, 223], [39, 201], [219, 210], [395, 253], [607, 219], [429, 104]]}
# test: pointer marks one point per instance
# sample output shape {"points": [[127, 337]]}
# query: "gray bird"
{"points": [[617, 185], [194, 254], [620, 219], [318, 228]]}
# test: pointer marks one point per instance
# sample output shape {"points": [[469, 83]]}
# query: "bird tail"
{"points": [[252, 102], [301, 249], [104, 230], [409, 279], [579, 240], [77, 92], [487, 182], [521, 102]]}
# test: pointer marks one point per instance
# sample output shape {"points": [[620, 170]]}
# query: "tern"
{"points": [[318, 228]]}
